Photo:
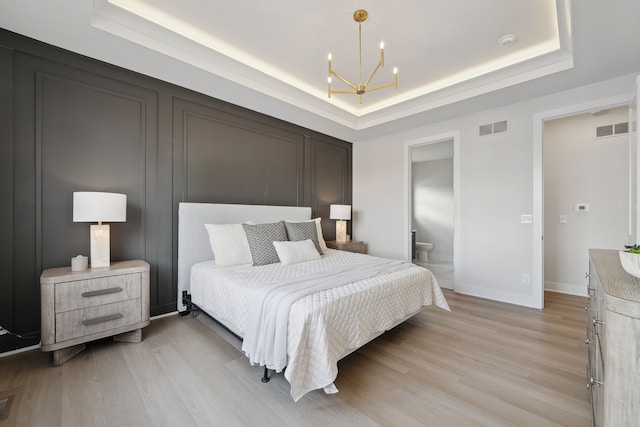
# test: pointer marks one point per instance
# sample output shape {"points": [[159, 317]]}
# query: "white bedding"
{"points": [[324, 326]]}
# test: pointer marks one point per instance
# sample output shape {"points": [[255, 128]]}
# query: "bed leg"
{"points": [[186, 300], [265, 376]]}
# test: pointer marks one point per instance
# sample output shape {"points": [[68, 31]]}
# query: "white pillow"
{"points": [[295, 252], [323, 244], [229, 244]]}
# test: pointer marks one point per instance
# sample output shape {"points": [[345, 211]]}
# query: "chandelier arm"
{"points": [[394, 83], [373, 74], [344, 91], [347, 82]]}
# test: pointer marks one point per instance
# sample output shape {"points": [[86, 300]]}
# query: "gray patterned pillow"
{"points": [[297, 231], [261, 238]]}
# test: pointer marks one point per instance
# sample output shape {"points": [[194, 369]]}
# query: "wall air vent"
{"points": [[486, 129], [491, 128], [612, 130], [602, 131], [619, 128]]}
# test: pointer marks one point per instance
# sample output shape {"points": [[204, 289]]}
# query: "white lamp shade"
{"points": [[99, 207], [340, 212]]}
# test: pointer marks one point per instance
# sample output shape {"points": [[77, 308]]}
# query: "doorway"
{"points": [[432, 200], [586, 201], [539, 119]]}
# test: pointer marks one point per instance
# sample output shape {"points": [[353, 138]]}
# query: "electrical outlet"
{"points": [[3, 331]]}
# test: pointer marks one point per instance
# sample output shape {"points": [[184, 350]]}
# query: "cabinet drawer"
{"points": [[99, 291], [87, 321]]}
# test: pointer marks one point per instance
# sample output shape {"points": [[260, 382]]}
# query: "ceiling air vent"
{"points": [[491, 128], [612, 130]]}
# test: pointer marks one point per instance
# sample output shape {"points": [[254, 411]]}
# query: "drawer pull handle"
{"points": [[101, 319], [102, 292], [592, 382]]}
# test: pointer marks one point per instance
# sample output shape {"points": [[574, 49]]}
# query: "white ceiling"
{"points": [[272, 56]]}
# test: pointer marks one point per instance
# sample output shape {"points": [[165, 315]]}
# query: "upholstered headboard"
{"points": [[193, 239]]}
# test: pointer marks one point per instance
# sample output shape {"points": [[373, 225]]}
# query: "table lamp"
{"points": [[341, 213], [99, 207]]}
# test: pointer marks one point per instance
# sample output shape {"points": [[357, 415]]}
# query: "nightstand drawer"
{"points": [[87, 321], [95, 292]]}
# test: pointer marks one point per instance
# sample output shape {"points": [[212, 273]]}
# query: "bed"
{"points": [[305, 312]]}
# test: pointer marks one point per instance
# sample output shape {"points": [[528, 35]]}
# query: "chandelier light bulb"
{"points": [[395, 70], [381, 45], [329, 57]]}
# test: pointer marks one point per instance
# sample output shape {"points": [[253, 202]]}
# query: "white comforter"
{"points": [[325, 325]]}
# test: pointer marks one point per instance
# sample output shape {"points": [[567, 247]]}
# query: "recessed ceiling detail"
{"points": [[277, 47]]}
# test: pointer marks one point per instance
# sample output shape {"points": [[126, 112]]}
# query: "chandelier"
{"points": [[363, 87]]}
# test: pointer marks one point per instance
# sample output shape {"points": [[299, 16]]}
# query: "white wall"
{"points": [[433, 209], [496, 187], [578, 168]]}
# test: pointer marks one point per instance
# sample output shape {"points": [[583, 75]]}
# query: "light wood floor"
{"points": [[483, 364]]}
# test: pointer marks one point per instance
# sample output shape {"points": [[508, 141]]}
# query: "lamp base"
{"points": [[341, 231], [100, 249]]}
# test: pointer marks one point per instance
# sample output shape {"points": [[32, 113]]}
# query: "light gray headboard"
{"points": [[193, 240]]}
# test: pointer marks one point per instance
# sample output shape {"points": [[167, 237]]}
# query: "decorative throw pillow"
{"points": [[297, 231], [295, 252], [323, 244], [229, 244], [261, 237]]}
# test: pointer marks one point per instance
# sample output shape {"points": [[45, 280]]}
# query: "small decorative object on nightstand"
{"points": [[350, 246], [81, 306]]}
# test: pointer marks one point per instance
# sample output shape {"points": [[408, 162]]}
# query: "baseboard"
{"points": [[565, 288], [159, 316], [20, 350]]}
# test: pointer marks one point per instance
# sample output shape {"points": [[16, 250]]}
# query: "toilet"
{"points": [[422, 249]]}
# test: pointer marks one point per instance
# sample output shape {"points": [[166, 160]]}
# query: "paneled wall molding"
{"points": [[69, 123]]}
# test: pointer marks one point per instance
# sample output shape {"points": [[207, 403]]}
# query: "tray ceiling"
{"points": [[445, 51]]}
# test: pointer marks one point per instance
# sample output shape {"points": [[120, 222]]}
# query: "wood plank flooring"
{"points": [[484, 364]]}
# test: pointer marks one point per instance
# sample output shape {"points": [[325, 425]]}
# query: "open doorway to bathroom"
{"points": [[432, 201]]}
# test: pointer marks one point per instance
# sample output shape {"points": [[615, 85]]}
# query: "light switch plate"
{"points": [[526, 219]]}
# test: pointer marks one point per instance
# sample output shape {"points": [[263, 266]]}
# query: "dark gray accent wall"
{"points": [[68, 123]]}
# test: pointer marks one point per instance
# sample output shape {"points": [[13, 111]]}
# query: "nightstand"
{"points": [[81, 306], [351, 246]]}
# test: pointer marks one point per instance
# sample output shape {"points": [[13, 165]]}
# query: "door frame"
{"points": [[408, 208], [537, 276]]}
